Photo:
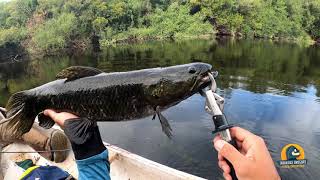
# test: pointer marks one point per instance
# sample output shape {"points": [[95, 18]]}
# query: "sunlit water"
{"points": [[270, 89]]}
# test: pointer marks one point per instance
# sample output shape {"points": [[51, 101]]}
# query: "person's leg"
{"points": [[36, 139], [39, 139], [52, 139]]}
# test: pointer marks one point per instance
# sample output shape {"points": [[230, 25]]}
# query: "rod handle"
{"points": [[232, 171]]}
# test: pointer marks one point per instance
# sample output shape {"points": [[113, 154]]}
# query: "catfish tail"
{"points": [[20, 119]]}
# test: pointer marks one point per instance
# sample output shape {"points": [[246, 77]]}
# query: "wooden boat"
{"points": [[124, 165]]}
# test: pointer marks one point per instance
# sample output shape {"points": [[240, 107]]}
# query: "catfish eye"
{"points": [[192, 70]]}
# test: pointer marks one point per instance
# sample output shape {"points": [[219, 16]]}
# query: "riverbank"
{"points": [[13, 53], [131, 39], [303, 41]]}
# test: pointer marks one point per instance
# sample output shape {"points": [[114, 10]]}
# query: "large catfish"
{"points": [[99, 96]]}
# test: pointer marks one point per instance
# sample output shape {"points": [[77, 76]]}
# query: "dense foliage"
{"points": [[266, 18], [48, 26]]}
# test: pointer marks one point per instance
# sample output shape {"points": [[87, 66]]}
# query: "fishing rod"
{"points": [[36, 152], [214, 106]]}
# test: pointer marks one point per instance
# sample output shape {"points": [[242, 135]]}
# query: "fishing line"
{"points": [[12, 152]]}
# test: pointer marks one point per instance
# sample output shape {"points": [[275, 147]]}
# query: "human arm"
{"points": [[90, 153], [251, 161]]}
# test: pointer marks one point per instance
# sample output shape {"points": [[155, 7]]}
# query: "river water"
{"points": [[271, 89]]}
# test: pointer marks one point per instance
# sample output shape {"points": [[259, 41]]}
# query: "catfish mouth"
{"points": [[202, 81]]}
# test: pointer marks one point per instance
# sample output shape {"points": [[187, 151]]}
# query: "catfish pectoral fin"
{"points": [[166, 128], [45, 121]]}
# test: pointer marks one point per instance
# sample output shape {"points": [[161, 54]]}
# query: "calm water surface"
{"points": [[271, 89]]}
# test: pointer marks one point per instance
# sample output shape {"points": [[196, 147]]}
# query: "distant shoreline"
{"points": [[13, 53]]}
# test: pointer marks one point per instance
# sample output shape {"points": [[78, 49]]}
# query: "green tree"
{"points": [[4, 14], [19, 11], [55, 34], [99, 24], [176, 21], [12, 35], [223, 13], [312, 18]]}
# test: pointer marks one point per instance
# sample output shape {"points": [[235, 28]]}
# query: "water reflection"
{"points": [[270, 89]]}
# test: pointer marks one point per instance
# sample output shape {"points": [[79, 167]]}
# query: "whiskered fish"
{"points": [[99, 96]]}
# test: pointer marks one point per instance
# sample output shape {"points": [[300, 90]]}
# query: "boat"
{"points": [[124, 164]]}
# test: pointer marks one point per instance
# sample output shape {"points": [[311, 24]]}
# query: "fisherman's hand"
{"points": [[60, 117], [251, 161], [83, 134]]}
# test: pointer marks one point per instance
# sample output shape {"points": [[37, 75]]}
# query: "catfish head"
{"points": [[173, 84]]}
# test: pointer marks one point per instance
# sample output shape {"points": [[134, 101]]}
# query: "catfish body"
{"points": [[99, 96], [100, 102]]}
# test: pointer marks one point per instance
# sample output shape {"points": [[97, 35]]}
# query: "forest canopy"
{"points": [[49, 26]]}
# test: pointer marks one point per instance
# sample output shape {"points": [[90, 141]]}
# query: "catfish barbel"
{"points": [[99, 96]]}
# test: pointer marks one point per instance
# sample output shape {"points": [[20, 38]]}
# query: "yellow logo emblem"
{"points": [[292, 156]]}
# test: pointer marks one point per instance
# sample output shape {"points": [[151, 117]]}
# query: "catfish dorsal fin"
{"points": [[77, 72]]}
